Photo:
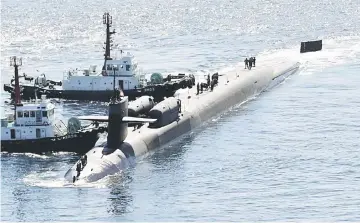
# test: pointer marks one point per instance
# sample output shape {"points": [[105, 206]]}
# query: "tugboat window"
{"points": [[26, 114], [20, 114], [127, 67], [12, 133], [44, 114], [32, 113]]}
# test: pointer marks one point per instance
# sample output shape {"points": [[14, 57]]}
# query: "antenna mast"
{"points": [[107, 20], [16, 62]]}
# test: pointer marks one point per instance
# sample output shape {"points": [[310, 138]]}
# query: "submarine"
{"points": [[169, 119]]}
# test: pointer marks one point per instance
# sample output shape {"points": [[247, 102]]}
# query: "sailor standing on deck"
{"points": [[78, 169], [212, 84], [208, 80], [83, 160], [246, 63], [250, 63]]}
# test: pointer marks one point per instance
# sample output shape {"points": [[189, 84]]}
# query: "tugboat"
{"points": [[97, 86], [32, 128]]}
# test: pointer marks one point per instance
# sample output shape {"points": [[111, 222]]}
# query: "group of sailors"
{"points": [[209, 84], [249, 63], [80, 166]]}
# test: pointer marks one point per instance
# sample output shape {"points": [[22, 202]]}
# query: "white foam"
{"points": [[52, 179], [335, 51], [33, 155]]}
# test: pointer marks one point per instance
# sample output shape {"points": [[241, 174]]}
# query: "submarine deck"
{"points": [[233, 87], [190, 101]]}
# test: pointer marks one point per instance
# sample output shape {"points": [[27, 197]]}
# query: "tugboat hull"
{"points": [[28, 92], [157, 91], [88, 95], [78, 143]]}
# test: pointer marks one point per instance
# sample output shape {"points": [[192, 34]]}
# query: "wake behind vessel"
{"points": [[89, 84]]}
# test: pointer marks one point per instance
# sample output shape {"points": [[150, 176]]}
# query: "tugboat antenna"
{"points": [[107, 20], [16, 62]]}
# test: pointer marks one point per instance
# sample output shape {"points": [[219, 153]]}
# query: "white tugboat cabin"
{"points": [[33, 128], [119, 71], [124, 68], [31, 121]]}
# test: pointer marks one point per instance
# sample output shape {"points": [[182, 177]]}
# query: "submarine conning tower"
{"points": [[117, 129]]}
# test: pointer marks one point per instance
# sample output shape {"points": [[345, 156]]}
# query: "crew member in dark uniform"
{"points": [[215, 78], [197, 88], [118, 94], [254, 59], [83, 160], [246, 63], [208, 80], [250, 63], [78, 169]]}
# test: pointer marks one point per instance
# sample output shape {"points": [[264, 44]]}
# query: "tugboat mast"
{"points": [[107, 20], [16, 62]]}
